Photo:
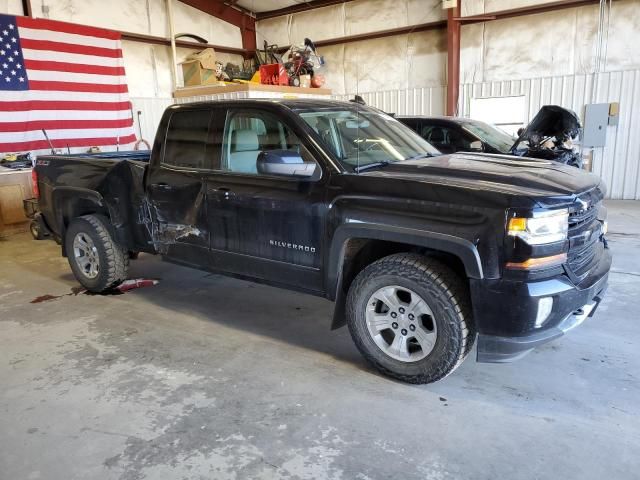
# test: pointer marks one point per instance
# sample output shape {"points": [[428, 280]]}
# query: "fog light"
{"points": [[545, 305]]}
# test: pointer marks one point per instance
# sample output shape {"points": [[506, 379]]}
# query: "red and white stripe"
{"points": [[77, 90]]}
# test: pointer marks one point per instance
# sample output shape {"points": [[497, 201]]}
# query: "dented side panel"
{"points": [[177, 206], [77, 185]]}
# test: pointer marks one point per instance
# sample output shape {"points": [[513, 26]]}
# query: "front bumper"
{"points": [[505, 311]]}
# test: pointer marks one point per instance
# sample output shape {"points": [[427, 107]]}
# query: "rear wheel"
{"points": [[96, 260], [410, 316]]}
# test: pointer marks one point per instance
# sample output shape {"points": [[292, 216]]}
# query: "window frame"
{"points": [[208, 142], [232, 110]]}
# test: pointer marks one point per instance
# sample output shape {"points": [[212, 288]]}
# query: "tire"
{"points": [[112, 259], [448, 325], [36, 231]]}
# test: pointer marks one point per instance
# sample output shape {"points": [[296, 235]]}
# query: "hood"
{"points": [[551, 121], [500, 173]]}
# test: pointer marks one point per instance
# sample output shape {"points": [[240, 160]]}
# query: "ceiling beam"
{"points": [[139, 37], [299, 7], [228, 12], [529, 10], [26, 8], [219, 9], [439, 25]]}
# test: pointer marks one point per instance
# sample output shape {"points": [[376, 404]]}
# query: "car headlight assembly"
{"points": [[541, 228], [544, 235]]}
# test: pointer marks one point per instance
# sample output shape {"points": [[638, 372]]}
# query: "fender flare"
{"points": [[60, 193], [462, 248]]}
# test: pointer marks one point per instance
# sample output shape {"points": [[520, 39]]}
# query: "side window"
{"points": [[188, 144], [445, 139], [459, 140], [247, 134]]}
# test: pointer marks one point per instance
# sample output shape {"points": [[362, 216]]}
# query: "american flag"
{"points": [[67, 79]]}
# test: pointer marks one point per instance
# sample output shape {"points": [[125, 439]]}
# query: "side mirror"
{"points": [[284, 163], [476, 146]]}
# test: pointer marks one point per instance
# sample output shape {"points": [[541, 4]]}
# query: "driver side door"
{"points": [[264, 225]]}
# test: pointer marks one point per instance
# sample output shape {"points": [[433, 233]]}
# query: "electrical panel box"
{"points": [[596, 119]]}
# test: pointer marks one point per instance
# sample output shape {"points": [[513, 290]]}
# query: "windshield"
{"points": [[498, 139], [360, 136]]}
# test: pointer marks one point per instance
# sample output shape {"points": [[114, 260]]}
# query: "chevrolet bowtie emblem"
{"points": [[583, 203]]}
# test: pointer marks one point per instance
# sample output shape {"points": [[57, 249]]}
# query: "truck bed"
{"points": [[112, 180]]}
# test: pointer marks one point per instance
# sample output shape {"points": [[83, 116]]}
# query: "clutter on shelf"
{"points": [[297, 67], [17, 161], [202, 68]]}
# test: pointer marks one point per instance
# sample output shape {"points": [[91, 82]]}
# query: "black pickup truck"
{"points": [[422, 253]]}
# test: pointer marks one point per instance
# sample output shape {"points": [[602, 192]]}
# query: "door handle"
{"points": [[223, 192]]}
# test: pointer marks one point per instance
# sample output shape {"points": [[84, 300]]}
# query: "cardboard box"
{"points": [[200, 68]]}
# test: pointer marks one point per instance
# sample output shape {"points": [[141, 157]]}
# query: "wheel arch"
{"points": [[355, 247], [73, 202]]}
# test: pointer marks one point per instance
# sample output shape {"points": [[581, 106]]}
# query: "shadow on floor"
{"points": [[295, 318]]}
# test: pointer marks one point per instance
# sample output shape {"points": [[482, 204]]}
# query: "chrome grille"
{"points": [[585, 245]]}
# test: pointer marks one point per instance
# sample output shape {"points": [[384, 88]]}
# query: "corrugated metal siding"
{"points": [[152, 110], [618, 164], [413, 101], [416, 101]]}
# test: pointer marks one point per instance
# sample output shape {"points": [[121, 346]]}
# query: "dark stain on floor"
{"points": [[121, 289]]}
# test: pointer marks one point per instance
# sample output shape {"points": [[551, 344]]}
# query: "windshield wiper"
{"points": [[417, 157], [362, 168]]}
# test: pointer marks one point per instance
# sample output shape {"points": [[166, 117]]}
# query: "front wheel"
{"points": [[410, 316], [96, 260]]}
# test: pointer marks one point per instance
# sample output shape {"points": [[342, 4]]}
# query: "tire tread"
{"points": [[117, 257], [422, 269]]}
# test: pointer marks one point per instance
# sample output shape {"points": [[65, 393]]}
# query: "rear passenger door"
{"points": [[265, 226], [176, 187]]}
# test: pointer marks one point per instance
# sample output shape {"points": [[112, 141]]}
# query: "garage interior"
{"points": [[199, 375]]}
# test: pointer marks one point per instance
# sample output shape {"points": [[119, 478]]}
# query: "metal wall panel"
{"points": [[412, 101], [618, 162], [152, 110]]}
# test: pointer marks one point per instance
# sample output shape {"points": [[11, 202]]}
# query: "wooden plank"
{"points": [[246, 87]]}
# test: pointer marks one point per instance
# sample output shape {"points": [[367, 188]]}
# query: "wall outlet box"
{"points": [[596, 119]]}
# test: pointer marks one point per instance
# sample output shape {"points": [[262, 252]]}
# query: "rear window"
{"points": [[186, 142]]}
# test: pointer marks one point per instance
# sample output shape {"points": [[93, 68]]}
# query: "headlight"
{"points": [[541, 228]]}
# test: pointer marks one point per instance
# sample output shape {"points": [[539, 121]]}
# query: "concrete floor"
{"points": [[207, 377]]}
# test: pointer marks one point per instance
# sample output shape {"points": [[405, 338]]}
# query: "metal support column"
{"points": [[453, 59]]}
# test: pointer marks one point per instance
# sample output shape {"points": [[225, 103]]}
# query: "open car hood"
{"points": [[551, 121]]}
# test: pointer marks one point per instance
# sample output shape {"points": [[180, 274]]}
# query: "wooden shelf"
{"points": [[252, 89]]}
